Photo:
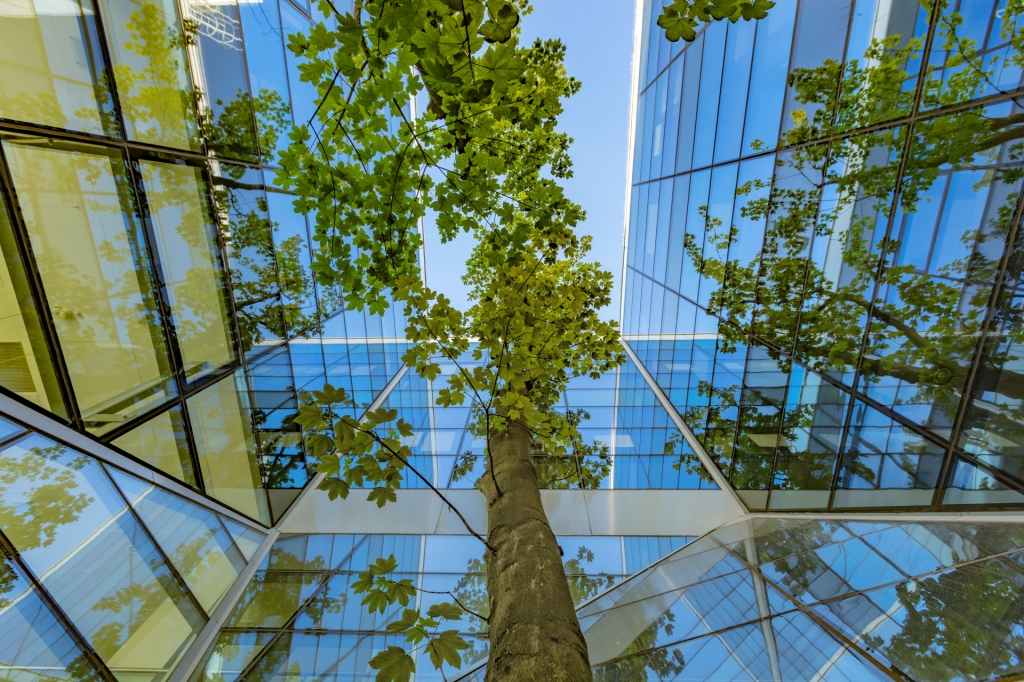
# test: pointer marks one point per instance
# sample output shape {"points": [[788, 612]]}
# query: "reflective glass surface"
{"points": [[178, 208], [162, 442], [33, 643], [222, 426], [74, 531], [25, 365], [147, 42], [91, 256], [193, 538], [51, 68], [819, 599]]}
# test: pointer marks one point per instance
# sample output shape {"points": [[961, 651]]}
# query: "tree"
{"points": [[485, 157]]}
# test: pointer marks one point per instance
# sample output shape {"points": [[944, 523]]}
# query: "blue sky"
{"points": [[598, 35]]}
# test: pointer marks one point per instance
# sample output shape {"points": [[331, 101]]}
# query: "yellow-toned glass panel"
{"points": [[51, 71], [25, 366], [151, 72], [90, 253], [190, 264], [222, 428], [71, 526], [162, 442]]}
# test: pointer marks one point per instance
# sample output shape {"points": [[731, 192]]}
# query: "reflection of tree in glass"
{"points": [[665, 663], [687, 464], [924, 326], [156, 98], [48, 491], [230, 132]]}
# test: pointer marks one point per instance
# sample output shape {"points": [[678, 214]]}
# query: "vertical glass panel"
{"points": [[768, 78], [222, 427], [51, 68], [947, 242], [71, 526], [178, 208], [228, 121], [885, 464], [268, 78], [291, 245], [34, 646], [192, 537], [739, 49], [245, 230], [304, 95], [710, 88], [971, 485], [162, 442], [25, 366], [147, 45], [92, 258], [993, 428], [809, 444], [229, 656]]}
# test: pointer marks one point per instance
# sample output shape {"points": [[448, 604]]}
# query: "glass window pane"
{"points": [[971, 485], [91, 256], [34, 646], [251, 258], [25, 366], [192, 537], [71, 526], [162, 442], [190, 264], [228, 121], [291, 244], [268, 77], [51, 71], [151, 72], [223, 432]]}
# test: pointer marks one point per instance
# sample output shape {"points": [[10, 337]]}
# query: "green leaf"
{"points": [[408, 619], [382, 496], [384, 566], [393, 664], [446, 610], [309, 417], [503, 18], [445, 649]]}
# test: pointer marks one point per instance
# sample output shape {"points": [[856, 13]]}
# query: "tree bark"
{"points": [[533, 628]]}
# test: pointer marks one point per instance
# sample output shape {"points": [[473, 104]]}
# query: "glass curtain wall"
{"points": [[823, 259], [152, 275]]}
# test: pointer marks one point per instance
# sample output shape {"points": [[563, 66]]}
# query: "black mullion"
{"points": [[57, 612], [108, 71], [137, 186], [35, 282], [967, 392], [156, 545], [23, 127]]}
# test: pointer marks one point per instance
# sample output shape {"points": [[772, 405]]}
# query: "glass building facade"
{"points": [[821, 308], [823, 267]]}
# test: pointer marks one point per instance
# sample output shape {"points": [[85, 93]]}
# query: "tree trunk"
{"points": [[533, 629]]}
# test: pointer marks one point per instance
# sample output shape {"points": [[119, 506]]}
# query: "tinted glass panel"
{"points": [[151, 72], [223, 431], [92, 258], [193, 538], [25, 366], [51, 71], [178, 208], [70, 524], [163, 443], [33, 645]]}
